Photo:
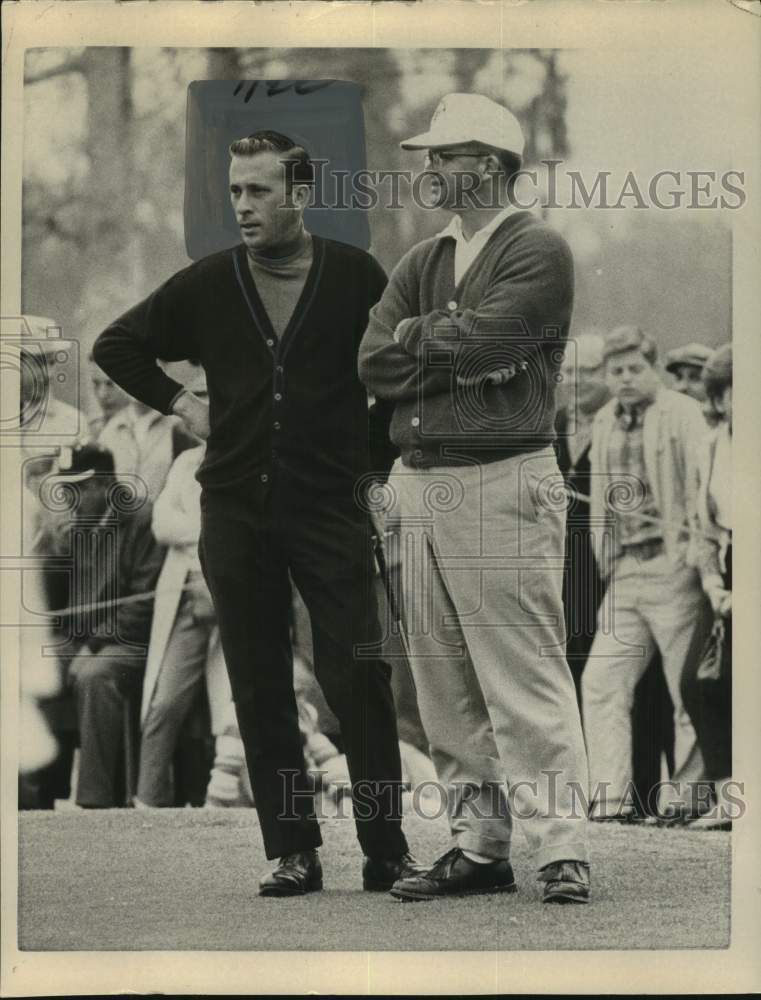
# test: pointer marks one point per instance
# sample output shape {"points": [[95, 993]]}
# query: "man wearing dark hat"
{"points": [[467, 343], [276, 323], [685, 364], [105, 530], [643, 501]]}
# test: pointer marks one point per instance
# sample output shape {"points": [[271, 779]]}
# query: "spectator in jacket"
{"points": [[45, 422], [109, 397], [184, 645], [685, 365], [643, 457], [145, 443], [709, 701], [114, 556]]}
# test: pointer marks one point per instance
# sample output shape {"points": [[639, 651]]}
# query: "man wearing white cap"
{"points": [[467, 342]]}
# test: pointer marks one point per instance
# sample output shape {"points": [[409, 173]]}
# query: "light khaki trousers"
{"points": [[648, 604], [482, 561]]}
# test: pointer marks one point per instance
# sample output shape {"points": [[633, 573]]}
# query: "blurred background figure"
{"points": [[583, 391], [707, 686], [47, 369], [184, 645], [145, 442], [109, 397], [105, 534], [40, 681], [46, 421], [643, 486], [685, 365], [47, 364], [229, 785]]}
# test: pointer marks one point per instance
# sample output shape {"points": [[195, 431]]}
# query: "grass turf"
{"points": [[186, 879]]}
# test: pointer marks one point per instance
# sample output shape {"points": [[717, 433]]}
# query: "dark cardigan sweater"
{"points": [[513, 305], [291, 407]]}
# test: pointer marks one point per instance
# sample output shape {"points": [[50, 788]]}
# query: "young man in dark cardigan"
{"points": [[276, 323], [467, 342]]}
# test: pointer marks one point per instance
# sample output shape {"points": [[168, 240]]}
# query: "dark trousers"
{"points": [[102, 684], [39, 789], [582, 593], [709, 705], [652, 736], [251, 538], [709, 702]]}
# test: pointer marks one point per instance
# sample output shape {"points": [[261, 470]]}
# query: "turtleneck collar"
{"points": [[284, 254]]}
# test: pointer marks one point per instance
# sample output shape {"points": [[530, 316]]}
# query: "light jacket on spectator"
{"points": [[673, 429], [711, 538], [177, 524], [151, 458]]}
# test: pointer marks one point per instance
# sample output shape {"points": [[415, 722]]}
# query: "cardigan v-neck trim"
{"points": [[485, 250], [279, 345]]}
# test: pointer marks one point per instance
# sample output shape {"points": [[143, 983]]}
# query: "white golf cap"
{"points": [[470, 118]]}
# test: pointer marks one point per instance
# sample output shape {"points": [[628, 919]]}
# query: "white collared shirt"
{"points": [[466, 250], [142, 423]]}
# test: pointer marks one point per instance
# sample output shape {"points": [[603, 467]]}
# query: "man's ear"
{"points": [[301, 195], [493, 166]]}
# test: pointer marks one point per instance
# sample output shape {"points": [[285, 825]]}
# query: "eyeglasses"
{"points": [[434, 157]]}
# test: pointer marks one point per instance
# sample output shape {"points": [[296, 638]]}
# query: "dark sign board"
{"points": [[323, 116]]}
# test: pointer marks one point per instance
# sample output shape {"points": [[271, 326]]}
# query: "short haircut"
{"points": [[717, 373], [590, 343], [630, 338], [298, 165], [510, 162]]}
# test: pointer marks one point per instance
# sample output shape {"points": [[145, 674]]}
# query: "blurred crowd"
{"points": [[142, 714]]}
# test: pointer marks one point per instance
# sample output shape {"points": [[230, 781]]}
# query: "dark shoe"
{"points": [[455, 875], [378, 875], [565, 882], [295, 875]]}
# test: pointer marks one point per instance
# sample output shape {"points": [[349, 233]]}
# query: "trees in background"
{"points": [[104, 152]]}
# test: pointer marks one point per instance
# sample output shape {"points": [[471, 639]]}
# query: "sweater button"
{"points": [[451, 306], [278, 397], [264, 477], [276, 425], [415, 421], [270, 343]]}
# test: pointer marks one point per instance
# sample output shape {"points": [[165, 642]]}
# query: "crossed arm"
{"points": [[393, 353]]}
